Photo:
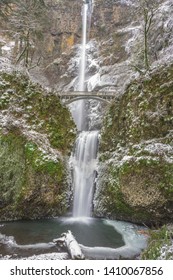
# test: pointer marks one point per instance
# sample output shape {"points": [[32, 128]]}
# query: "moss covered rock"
{"points": [[36, 137], [160, 244], [136, 153]]}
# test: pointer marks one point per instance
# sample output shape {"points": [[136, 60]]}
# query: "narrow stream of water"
{"points": [[82, 68]]}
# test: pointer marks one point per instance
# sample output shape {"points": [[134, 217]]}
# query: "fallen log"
{"points": [[68, 241]]}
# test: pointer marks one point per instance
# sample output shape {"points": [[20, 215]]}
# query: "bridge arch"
{"points": [[69, 97], [71, 100]]}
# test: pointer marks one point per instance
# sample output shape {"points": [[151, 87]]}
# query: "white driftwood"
{"points": [[68, 241]]}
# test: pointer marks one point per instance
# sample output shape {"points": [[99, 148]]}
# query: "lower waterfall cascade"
{"points": [[84, 172]]}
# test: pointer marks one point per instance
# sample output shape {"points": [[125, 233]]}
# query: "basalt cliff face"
{"points": [[107, 56], [115, 43], [58, 49]]}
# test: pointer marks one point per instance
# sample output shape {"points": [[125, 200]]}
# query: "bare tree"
{"points": [[28, 23], [146, 9], [5, 7]]}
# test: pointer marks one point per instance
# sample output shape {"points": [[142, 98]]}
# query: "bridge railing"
{"points": [[68, 97], [86, 93]]}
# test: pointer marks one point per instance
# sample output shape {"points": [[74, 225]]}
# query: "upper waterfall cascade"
{"points": [[79, 111], [84, 160]]}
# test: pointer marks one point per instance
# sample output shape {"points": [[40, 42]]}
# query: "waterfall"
{"points": [[81, 85], [84, 161], [80, 111], [84, 172], [87, 10], [79, 114]]}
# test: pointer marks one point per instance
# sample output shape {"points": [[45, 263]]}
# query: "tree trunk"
{"points": [[68, 241]]}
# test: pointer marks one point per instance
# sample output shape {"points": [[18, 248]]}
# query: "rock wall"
{"points": [[61, 34], [116, 43], [135, 180], [106, 50], [36, 138]]}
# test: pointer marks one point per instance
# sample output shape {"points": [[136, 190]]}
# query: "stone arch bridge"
{"points": [[69, 97]]}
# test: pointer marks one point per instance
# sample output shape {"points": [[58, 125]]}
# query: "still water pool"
{"points": [[99, 238]]}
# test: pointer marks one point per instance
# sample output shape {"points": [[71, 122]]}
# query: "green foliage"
{"points": [[46, 113], [158, 238], [32, 170], [32, 185], [145, 107], [42, 163], [11, 166], [136, 148]]}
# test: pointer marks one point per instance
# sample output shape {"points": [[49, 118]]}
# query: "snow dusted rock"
{"points": [[5, 65], [51, 256], [135, 175], [166, 252], [160, 244], [36, 137]]}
